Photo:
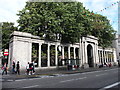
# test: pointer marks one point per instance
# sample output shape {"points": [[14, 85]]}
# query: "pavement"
{"points": [[53, 72]]}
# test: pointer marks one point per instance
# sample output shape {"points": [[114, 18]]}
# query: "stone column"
{"points": [[80, 53], [10, 56], [56, 55], [63, 52], [30, 51], [102, 56], [97, 56], [69, 52], [111, 56], [63, 62], [74, 53], [115, 57], [83, 56], [96, 52], [39, 55], [85, 52], [48, 55], [94, 55], [106, 56]]}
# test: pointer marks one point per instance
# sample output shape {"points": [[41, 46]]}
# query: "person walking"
{"points": [[33, 66], [13, 67], [27, 69], [4, 68], [30, 68], [18, 68]]}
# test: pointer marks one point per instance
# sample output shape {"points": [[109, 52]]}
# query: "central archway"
{"points": [[90, 56]]}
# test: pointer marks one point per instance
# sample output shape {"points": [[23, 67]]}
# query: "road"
{"points": [[102, 80]]}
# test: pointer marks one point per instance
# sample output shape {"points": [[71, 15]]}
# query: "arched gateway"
{"points": [[90, 55], [48, 55]]}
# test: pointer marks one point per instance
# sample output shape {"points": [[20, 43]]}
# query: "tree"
{"points": [[52, 19], [103, 30], [67, 21], [7, 29]]}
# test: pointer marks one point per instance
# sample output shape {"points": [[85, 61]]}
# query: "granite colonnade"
{"points": [[87, 51]]}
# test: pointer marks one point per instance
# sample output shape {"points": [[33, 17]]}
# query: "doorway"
{"points": [[90, 56]]}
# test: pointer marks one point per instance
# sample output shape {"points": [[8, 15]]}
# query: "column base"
{"points": [[85, 66]]}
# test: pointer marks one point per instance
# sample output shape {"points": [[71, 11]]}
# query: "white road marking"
{"points": [[9, 80], [91, 72], [82, 78], [60, 75], [110, 69], [46, 76], [21, 80], [72, 80], [101, 74], [98, 71], [28, 79], [30, 86], [110, 86], [34, 78]]}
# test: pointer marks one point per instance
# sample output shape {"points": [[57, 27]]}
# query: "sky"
{"points": [[9, 9]]}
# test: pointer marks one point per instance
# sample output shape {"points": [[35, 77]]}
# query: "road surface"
{"points": [[102, 80]]}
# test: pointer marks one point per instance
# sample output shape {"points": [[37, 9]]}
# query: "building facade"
{"points": [[24, 47], [116, 45]]}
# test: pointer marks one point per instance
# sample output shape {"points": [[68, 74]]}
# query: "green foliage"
{"points": [[103, 30], [7, 29], [67, 20], [52, 51]]}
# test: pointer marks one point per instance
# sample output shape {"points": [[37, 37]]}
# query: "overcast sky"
{"points": [[9, 9]]}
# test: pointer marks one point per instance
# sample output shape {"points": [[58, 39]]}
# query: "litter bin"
{"points": [[69, 67], [73, 67]]}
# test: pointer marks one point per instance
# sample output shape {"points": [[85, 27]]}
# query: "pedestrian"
{"points": [[27, 69], [110, 64], [4, 69], [30, 68], [13, 67], [105, 64], [33, 66], [18, 68], [118, 63]]}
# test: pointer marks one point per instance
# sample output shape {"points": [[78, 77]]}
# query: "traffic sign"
{"points": [[6, 52]]}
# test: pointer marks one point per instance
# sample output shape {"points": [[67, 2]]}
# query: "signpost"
{"points": [[6, 52]]}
